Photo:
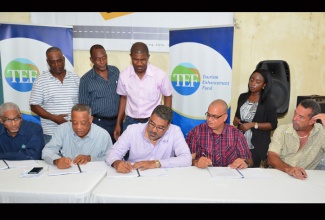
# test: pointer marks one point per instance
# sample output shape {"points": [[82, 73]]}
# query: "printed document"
{"points": [[8, 164], [95, 166], [111, 173]]}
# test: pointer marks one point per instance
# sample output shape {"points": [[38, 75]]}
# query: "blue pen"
{"points": [[242, 176]]}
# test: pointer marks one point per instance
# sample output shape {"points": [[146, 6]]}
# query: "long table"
{"points": [[180, 185], [71, 188], [194, 185]]}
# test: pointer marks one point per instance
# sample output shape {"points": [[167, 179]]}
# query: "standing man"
{"points": [[141, 86], [54, 93], [19, 139], [98, 90]]}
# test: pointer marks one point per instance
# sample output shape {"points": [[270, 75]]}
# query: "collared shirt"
{"points": [[171, 149], [54, 96], [100, 94], [285, 142], [222, 149], [64, 141], [26, 145], [143, 95]]}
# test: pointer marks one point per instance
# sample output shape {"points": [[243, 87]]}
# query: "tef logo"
{"points": [[20, 74], [186, 79]]}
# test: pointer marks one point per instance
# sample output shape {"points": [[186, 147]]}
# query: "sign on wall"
{"points": [[22, 53], [119, 30], [201, 71]]}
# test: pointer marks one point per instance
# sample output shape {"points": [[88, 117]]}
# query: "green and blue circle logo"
{"points": [[20, 74], [185, 79]]}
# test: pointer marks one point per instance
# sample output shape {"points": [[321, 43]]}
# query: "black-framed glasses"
{"points": [[215, 117], [9, 120], [153, 125]]}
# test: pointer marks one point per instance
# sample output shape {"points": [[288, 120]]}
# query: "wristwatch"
{"points": [[248, 164], [157, 163], [256, 125]]}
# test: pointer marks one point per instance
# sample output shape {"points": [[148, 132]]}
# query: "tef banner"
{"points": [[201, 69], [22, 53]]}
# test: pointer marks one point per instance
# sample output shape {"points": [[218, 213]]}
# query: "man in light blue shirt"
{"points": [[154, 144], [77, 141]]}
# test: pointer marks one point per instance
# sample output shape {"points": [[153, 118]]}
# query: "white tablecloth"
{"points": [[71, 188], [194, 185]]}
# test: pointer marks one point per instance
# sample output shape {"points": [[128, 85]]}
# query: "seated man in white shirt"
{"points": [[77, 141], [299, 146], [154, 144], [321, 119]]}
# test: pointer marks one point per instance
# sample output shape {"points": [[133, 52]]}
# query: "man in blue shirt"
{"points": [[19, 139], [98, 90]]}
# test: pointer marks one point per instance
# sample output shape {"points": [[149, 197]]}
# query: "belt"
{"points": [[140, 119], [105, 118]]}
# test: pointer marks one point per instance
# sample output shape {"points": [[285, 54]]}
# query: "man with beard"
{"points": [[154, 144]]}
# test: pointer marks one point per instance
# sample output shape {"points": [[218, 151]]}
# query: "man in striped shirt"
{"points": [[54, 93]]}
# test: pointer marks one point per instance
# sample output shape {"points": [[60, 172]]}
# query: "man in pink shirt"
{"points": [[141, 87]]}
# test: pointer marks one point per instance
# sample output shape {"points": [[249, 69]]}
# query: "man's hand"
{"points": [[297, 172], [63, 162], [82, 159], [122, 166], [239, 163], [203, 162]]}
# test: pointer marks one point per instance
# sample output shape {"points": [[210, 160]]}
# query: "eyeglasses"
{"points": [[215, 117], [153, 125], [9, 120]]}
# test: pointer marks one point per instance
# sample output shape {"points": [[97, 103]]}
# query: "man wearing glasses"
{"points": [[154, 144], [19, 139], [216, 143]]}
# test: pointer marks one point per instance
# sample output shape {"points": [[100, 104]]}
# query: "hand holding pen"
{"points": [[204, 161], [122, 166], [207, 160], [63, 162]]}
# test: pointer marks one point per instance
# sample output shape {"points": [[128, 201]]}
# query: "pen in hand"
{"points": [[203, 154]]}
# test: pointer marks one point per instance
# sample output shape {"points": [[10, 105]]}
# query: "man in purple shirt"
{"points": [[217, 143], [154, 144]]}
